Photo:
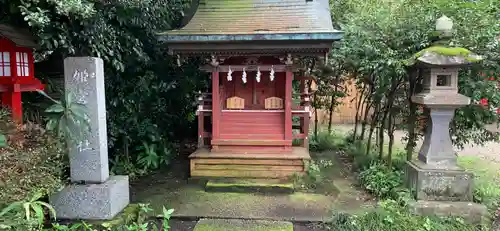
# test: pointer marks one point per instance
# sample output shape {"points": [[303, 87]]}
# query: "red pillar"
{"points": [[215, 106], [13, 101], [288, 105], [306, 132], [302, 88], [201, 130]]}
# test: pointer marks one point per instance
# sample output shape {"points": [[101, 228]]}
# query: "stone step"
{"points": [[249, 185], [242, 225]]}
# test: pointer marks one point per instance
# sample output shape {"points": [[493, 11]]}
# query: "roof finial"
{"points": [[289, 59], [214, 61]]}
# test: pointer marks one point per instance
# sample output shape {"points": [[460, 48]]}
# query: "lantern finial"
{"points": [[444, 25]]}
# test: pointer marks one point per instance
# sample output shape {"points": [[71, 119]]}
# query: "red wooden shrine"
{"points": [[16, 68], [245, 122]]}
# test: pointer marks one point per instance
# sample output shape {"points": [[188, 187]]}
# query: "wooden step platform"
{"points": [[205, 163]]}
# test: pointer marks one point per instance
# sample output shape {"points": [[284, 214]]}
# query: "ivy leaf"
{"points": [[56, 108], [3, 141]]}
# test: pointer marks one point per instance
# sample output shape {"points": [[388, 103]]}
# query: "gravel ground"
{"points": [[489, 151]]}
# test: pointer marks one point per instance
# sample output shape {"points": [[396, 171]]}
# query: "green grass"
{"points": [[389, 216], [487, 179], [483, 170]]}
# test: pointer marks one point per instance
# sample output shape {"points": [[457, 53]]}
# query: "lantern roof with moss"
{"points": [[440, 54], [444, 56], [254, 26]]}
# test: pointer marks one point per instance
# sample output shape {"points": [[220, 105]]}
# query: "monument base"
{"points": [[471, 212], [92, 201], [431, 184]]}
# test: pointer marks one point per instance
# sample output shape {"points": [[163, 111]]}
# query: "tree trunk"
{"points": [[388, 114], [315, 117], [390, 132], [358, 106], [368, 102], [381, 133], [373, 124], [332, 107], [370, 135], [412, 117], [365, 119], [412, 120]]}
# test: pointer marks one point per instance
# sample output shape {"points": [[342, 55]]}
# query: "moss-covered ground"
{"points": [[314, 200]]}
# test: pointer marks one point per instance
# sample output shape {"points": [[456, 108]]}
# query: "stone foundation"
{"points": [[431, 184], [92, 201], [471, 212]]}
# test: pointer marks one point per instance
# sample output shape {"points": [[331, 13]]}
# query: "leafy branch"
{"points": [[68, 119]]}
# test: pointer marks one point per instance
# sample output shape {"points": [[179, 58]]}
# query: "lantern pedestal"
{"points": [[429, 183], [443, 192], [471, 212]]}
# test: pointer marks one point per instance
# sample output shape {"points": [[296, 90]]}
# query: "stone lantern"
{"points": [[439, 185]]}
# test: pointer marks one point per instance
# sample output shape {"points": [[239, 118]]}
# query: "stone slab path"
{"points": [[190, 225], [242, 225]]}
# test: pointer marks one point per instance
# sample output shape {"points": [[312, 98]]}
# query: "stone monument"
{"points": [[93, 194], [439, 185]]}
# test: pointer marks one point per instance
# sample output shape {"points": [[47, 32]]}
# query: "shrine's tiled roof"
{"points": [[242, 20], [20, 37]]}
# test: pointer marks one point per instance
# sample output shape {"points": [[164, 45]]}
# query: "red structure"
{"points": [[16, 68], [245, 124]]}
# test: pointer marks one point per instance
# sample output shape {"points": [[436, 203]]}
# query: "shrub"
{"points": [[487, 194], [380, 180], [391, 217], [29, 216], [32, 162], [25, 215], [324, 141], [356, 152], [316, 176]]}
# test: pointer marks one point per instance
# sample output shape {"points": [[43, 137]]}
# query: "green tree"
{"points": [[149, 97], [381, 35]]}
